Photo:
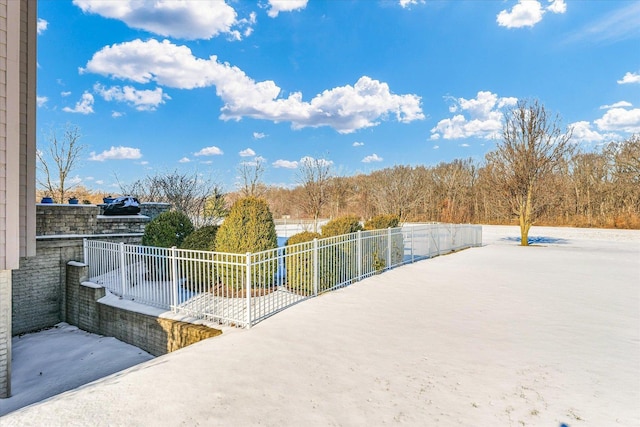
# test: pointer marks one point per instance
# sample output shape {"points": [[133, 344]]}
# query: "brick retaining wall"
{"points": [[90, 310], [38, 290]]}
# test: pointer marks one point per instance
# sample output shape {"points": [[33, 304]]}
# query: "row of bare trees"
{"points": [[598, 188]]}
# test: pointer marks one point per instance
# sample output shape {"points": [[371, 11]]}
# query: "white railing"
{"points": [[242, 289]]}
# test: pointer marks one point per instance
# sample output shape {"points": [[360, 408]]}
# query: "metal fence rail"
{"points": [[242, 289]]}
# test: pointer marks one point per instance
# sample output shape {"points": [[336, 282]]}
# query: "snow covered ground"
{"points": [[496, 335], [63, 358]]}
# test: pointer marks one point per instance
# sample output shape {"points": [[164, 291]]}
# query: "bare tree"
{"points": [[199, 198], [58, 159], [532, 147], [251, 175], [314, 175], [395, 190]]}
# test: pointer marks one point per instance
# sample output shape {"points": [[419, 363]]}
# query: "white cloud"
{"points": [[277, 6], [620, 119], [406, 3], [42, 26], [312, 161], [358, 144], [346, 108], [180, 19], [285, 164], [209, 151], [255, 162], [620, 104], [116, 114], [247, 153], [184, 160], [41, 100], [258, 135], [582, 132], [630, 77], [484, 117], [372, 158], [527, 13], [465, 145], [142, 100], [84, 106], [435, 147], [116, 153], [524, 14], [65, 94], [557, 6], [99, 182]]}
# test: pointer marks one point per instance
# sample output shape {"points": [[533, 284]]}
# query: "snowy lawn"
{"points": [[62, 358], [497, 335]]}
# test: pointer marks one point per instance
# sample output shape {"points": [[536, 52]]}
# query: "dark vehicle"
{"points": [[123, 206]]}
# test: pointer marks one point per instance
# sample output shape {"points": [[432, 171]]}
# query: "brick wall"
{"points": [[54, 219], [121, 224], [153, 209], [5, 333], [154, 334], [39, 298]]}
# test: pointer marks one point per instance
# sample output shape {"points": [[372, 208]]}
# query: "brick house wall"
{"points": [[18, 38]]}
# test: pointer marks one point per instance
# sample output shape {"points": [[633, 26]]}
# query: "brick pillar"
{"points": [[5, 333]]}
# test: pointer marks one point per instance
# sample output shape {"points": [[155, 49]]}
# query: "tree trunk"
{"points": [[525, 219]]}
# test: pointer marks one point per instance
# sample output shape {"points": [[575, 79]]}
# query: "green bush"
{"points": [[166, 230], [200, 275], [341, 225], [376, 250], [249, 227], [338, 264], [299, 263], [203, 239], [382, 221]]}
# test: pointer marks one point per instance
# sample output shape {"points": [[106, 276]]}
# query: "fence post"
{"points": [[388, 248], [248, 288], [453, 239], [411, 228], [316, 269], [123, 273], [174, 277], [359, 254], [85, 251]]}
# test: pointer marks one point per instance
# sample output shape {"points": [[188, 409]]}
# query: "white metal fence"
{"points": [[242, 289]]}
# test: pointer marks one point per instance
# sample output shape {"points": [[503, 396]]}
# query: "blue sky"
{"points": [[204, 86]]}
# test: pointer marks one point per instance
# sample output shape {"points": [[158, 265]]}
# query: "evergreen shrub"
{"points": [[299, 263], [382, 221], [341, 225], [338, 263], [202, 239], [166, 230], [249, 227], [200, 275], [375, 250]]}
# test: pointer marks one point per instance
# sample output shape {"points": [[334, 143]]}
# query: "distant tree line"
{"points": [[598, 188]]}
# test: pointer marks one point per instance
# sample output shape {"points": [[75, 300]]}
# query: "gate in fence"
{"points": [[243, 289]]}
